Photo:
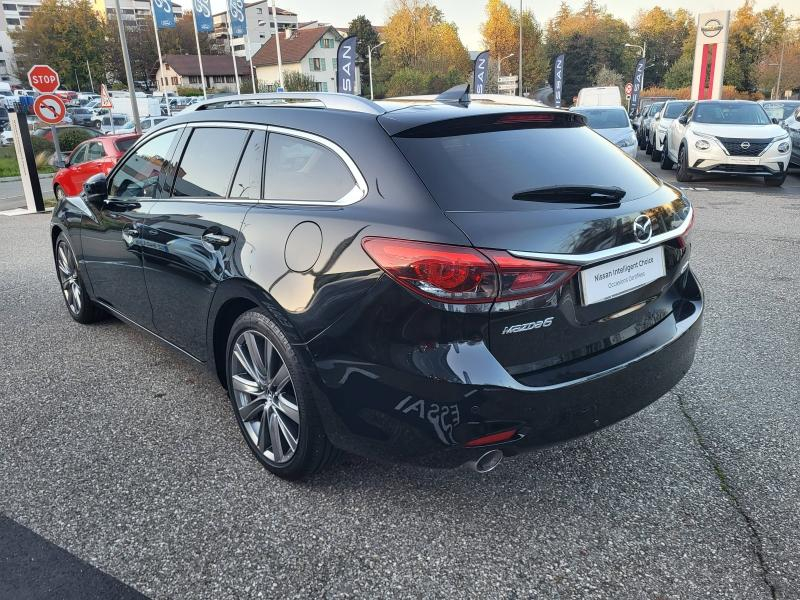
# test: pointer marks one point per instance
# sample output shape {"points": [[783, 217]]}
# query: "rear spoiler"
{"points": [[494, 121]]}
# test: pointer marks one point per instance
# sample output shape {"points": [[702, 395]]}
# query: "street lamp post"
{"points": [[519, 77], [369, 55], [126, 59], [788, 21], [643, 48], [277, 43], [499, 72]]}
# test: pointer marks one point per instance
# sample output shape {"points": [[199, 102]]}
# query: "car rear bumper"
{"points": [[383, 412]]}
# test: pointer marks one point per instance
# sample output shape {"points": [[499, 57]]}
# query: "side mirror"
{"points": [[683, 120], [96, 189], [775, 121]]}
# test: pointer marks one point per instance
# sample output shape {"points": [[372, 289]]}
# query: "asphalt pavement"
{"points": [[126, 456]]}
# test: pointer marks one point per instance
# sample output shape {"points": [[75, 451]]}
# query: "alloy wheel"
{"points": [[60, 195], [68, 276], [265, 396]]}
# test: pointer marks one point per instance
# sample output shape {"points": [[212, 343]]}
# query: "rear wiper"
{"points": [[594, 194]]}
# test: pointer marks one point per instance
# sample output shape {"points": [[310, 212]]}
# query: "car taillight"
{"points": [[685, 238], [438, 271], [522, 278], [462, 275]]}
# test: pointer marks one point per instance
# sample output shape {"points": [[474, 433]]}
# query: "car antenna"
{"points": [[458, 94]]}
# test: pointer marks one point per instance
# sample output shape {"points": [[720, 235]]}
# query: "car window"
{"points": [[125, 144], [730, 113], [95, 151], [138, 175], [674, 109], [612, 118], [78, 155], [120, 121], [205, 171], [247, 182], [304, 171], [455, 168]]}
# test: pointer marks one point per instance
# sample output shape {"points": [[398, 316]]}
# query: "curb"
{"points": [[18, 178]]}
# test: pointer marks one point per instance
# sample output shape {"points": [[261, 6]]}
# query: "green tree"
{"points": [[665, 33], [64, 34], [753, 35], [367, 38], [294, 81]]}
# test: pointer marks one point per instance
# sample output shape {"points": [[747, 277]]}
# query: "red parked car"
{"points": [[96, 155]]}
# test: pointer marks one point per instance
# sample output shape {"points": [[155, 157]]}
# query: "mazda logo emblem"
{"points": [[744, 145], [642, 229]]}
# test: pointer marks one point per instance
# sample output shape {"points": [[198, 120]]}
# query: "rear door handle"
{"points": [[216, 239]]}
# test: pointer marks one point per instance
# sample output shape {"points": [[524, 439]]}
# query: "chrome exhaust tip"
{"points": [[487, 461]]}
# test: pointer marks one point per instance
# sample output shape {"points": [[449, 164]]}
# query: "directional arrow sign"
{"points": [[43, 79], [49, 109]]}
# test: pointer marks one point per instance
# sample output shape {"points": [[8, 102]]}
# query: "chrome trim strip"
{"points": [[145, 329], [601, 255]]}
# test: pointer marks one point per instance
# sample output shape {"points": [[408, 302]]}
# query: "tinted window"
{"points": [[125, 144], [247, 183], [733, 113], [674, 109], [612, 118], [302, 170], [208, 162], [138, 175], [483, 171]]}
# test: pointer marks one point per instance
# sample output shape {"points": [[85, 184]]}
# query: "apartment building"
{"points": [[260, 27]]}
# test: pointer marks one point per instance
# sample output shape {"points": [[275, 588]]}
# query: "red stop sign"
{"points": [[43, 79]]}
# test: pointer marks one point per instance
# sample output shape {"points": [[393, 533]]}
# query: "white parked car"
{"points": [[660, 124], [734, 137], [612, 123], [147, 124]]}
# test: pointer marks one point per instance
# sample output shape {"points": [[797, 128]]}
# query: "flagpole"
{"points": [[277, 43], [199, 58], [160, 60], [233, 52], [250, 62]]}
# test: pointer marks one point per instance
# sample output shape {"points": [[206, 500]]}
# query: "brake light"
{"points": [[438, 271], [525, 118], [686, 238], [522, 278], [463, 275]]}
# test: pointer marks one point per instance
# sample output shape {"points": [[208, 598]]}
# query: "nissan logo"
{"points": [[744, 145], [711, 28], [642, 229]]}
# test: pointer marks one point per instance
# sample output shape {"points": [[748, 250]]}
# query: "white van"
{"points": [[600, 96]]}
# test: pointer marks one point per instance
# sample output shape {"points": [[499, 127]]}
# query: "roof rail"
{"points": [[329, 100]]}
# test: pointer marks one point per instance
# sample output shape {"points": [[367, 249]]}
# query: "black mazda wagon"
{"points": [[439, 281]]}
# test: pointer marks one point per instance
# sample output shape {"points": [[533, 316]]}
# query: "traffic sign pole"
{"points": [[57, 147]]}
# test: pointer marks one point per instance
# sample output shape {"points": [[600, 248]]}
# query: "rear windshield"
{"points": [[674, 109], [125, 144], [482, 171], [730, 113], [612, 118]]}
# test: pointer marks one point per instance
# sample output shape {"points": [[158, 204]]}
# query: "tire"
{"points": [[640, 139], [655, 155], [648, 148], [666, 161], [774, 180], [98, 124], [275, 409], [683, 174], [80, 307]]}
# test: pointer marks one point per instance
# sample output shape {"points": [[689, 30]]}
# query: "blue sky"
{"points": [[468, 14]]}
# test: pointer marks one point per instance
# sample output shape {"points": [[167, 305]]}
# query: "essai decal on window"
{"points": [[528, 326]]}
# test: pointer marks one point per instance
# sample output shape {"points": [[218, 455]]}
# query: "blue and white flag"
{"points": [[346, 66], [238, 20], [481, 73], [202, 16], [162, 11], [558, 79]]}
